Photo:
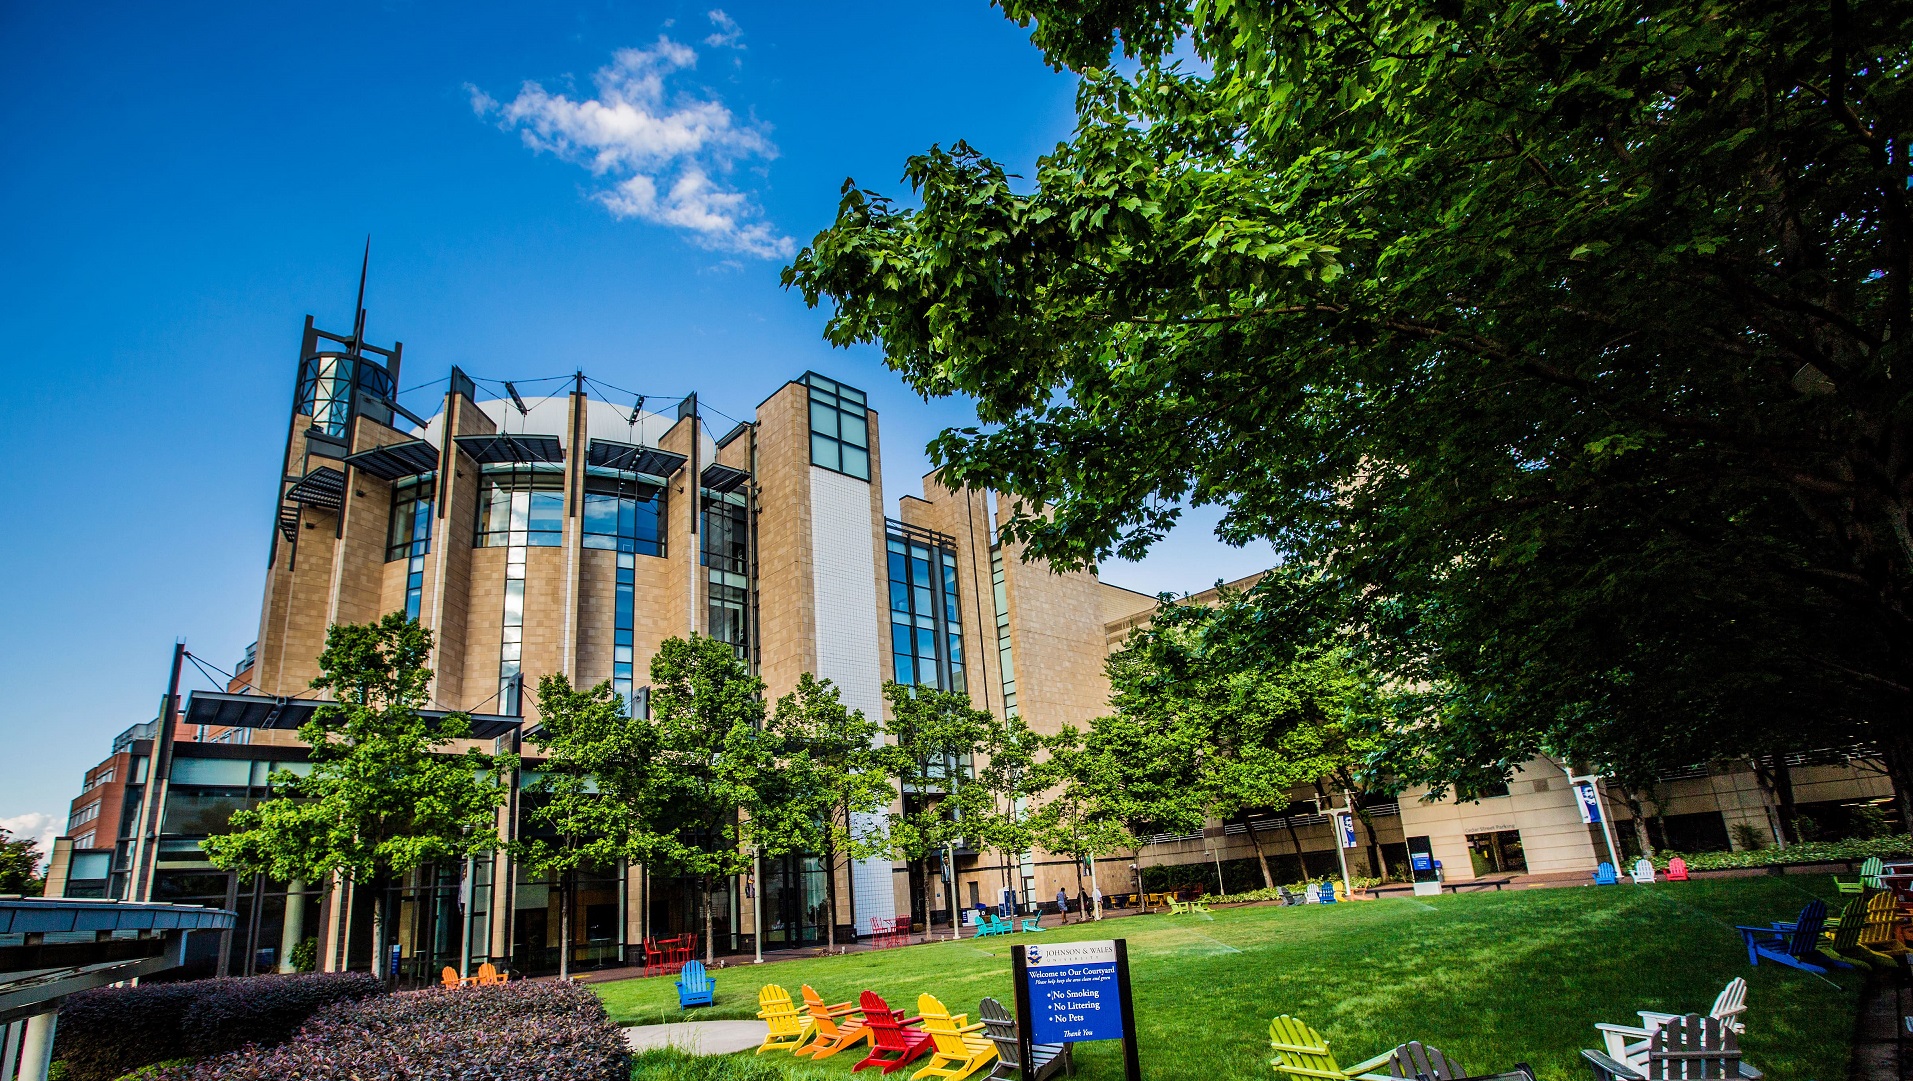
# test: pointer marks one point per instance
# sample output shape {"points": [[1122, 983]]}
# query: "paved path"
{"points": [[698, 1037]]}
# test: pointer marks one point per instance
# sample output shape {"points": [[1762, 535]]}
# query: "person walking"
{"points": [[1062, 903]]}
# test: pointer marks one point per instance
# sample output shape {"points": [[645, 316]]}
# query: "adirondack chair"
{"points": [[1643, 872], [695, 986], [1677, 870], [1302, 1052], [1884, 932], [831, 1036], [1686, 1047], [1283, 895], [996, 925], [1604, 875], [895, 1040], [452, 980], [1000, 1027], [1628, 1043], [1034, 923], [1418, 1060], [488, 974], [1329, 896], [1796, 945], [957, 1048], [790, 1028], [1869, 877], [1841, 942]]}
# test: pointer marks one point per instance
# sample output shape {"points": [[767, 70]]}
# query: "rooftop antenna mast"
{"points": [[358, 306]]}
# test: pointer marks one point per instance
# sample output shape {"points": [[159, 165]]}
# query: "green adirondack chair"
{"points": [[1869, 877], [1303, 1052], [1841, 942]]}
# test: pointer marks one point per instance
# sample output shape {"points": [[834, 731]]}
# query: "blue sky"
{"points": [[610, 187]]}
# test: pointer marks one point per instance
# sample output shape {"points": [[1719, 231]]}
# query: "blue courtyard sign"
{"points": [[1073, 992], [1068, 992]]}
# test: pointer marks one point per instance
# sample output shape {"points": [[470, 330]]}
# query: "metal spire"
{"points": [[358, 324]]}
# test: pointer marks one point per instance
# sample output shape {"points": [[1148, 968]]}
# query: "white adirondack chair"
{"points": [[1629, 1043], [1643, 871]]}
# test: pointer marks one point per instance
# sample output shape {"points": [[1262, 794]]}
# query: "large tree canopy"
{"points": [[1562, 337]]}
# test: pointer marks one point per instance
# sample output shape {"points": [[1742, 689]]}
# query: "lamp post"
{"points": [[757, 903], [1599, 809], [1217, 854]]}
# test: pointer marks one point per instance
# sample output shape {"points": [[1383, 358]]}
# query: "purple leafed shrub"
{"points": [[109, 1032], [512, 1032]]}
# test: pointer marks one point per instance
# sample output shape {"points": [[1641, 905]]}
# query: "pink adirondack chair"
{"points": [[1677, 870], [895, 1040]]}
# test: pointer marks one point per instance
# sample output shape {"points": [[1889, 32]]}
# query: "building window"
{"points": [[926, 631], [84, 815], [511, 646], [839, 427], [410, 535], [621, 646], [85, 840], [102, 777], [521, 505], [999, 593], [726, 533], [622, 514], [729, 616]]}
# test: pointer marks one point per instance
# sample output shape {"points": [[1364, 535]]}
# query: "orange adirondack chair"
{"points": [[488, 974], [895, 1039], [831, 1036], [451, 979]]}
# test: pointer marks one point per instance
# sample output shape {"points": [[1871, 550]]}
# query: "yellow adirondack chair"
{"points": [[1303, 1052], [790, 1028], [831, 1036], [957, 1051], [1883, 933], [1841, 942]]}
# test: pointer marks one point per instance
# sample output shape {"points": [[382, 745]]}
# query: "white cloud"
{"points": [[727, 35], [35, 826], [659, 150]]}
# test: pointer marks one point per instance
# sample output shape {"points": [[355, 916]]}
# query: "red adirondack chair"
{"points": [[1677, 870], [895, 1039]]}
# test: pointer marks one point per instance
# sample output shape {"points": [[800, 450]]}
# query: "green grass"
{"points": [[1490, 978]]}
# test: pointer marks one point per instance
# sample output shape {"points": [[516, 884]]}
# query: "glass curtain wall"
{"points": [[726, 557], [926, 624], [410, 534]]}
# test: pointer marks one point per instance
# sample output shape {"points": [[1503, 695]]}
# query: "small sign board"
{"points": [[1589, 800], [1345, 828], [1069, 992]]}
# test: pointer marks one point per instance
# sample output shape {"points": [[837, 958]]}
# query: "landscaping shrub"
{"points": [[1853, 848], [510, 1032], [105, 1033]]}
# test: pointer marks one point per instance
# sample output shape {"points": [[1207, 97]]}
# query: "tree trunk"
{"points": [[1896, 753], [378, 933], [1638, 810], [1764, 780], [564, 926], [710, 947], [1783, 792], [1296, 840], [1255, 842]]}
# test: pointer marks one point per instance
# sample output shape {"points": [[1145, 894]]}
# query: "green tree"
{"points": [[835, 767], [1223, 710], [388, 792], [593, 801], [20, 865], [716, 770], [1082, 804], [1566, 305]]}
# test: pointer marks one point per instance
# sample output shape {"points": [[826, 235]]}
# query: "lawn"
{"points": [[1490, 978]]}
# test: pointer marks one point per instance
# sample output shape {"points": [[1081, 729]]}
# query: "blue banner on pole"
{"points": [[1590, 802], [1073, 992]]}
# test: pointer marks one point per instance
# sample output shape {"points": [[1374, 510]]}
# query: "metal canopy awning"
{"points": [[512, 449], [724, 478], [395, 460], [69, 954], [227, 710], [631, 458], [321, 487]]}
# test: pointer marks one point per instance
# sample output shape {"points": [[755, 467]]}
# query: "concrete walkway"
{"points": [[698, 1037]]}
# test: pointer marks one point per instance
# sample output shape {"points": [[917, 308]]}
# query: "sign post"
{"points": [[1345, 840], [1587, 794], [1070, 992]]}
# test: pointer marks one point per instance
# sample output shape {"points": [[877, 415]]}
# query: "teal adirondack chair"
{"points": [[695, 986], [1034, 923]]}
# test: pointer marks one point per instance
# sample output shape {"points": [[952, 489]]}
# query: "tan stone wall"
{"points": [[787, 625], [446, 605], [1539, 805], [484, 624], [1057, 635]]}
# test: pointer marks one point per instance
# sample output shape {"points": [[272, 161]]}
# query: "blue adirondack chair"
{"points": [[695, 986], [1328, 893], [1604, 875], [1796, 944], [1034, 923]]}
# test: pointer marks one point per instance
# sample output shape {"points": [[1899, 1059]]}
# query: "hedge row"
{"points": [[512, 1032], [105, 1033], [1853, 848]]}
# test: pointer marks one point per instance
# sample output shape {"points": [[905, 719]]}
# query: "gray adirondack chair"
{"points": [[1418, 1060], [1000, 1027], [1686, 1047]]}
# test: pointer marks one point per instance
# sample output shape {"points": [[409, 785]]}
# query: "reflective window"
{"points": [[624, 515], [410, 534], [726, 534], [926, 632], [839, 427], [520, 505]]}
